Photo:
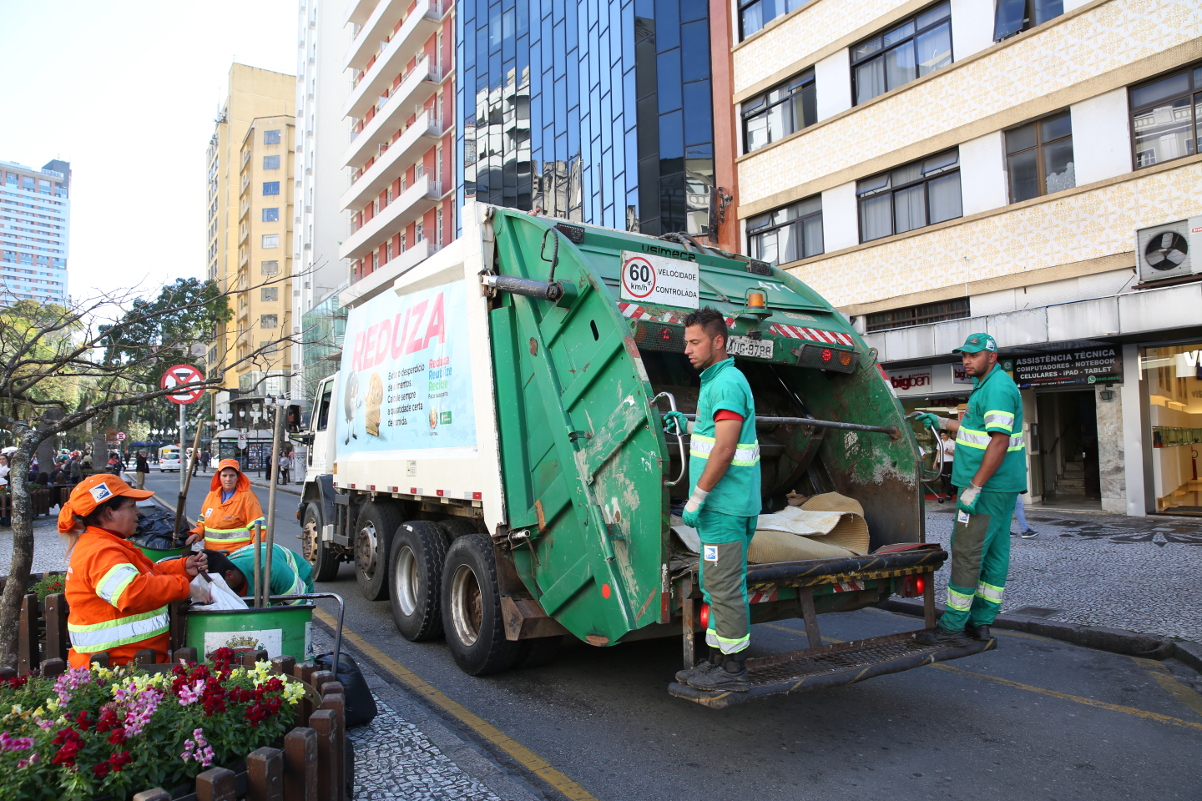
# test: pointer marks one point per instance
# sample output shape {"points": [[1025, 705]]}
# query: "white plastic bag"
{"points": [[220, 593]]}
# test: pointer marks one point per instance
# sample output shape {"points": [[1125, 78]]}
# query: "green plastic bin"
{"points": [[157, 555], [279, 630]]}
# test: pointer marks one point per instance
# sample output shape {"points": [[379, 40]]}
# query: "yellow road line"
{"points": [[1126, 710], [1170, 684], [527, 758]]}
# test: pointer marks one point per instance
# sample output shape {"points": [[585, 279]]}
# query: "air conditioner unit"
{"points": [[1169, 250]]}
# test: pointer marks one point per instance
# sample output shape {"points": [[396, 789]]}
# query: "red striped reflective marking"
{"points": [[763, 597]]}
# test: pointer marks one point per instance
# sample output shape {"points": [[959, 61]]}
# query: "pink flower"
{"points": [[198, 749], [190, 694], [69, 682], [139, 707], [8, 743]]}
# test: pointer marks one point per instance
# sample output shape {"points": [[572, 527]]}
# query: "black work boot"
{"points": [[731, 677], [978, 632], [943, 637], [714, 660]]}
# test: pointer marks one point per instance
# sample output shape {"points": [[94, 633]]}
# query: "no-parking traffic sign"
{"points": [[182, 375]]}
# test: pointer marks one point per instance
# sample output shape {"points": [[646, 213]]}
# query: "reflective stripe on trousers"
{"points": [[745, 455], [122, 631]]}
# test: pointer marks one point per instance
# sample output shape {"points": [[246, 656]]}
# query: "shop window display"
{"points": [[1173, 375]]}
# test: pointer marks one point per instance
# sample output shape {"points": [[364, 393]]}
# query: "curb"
{"points": [[1128, 643], [279, 487]]}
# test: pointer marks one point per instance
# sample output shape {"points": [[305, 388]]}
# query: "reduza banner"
{"points": [[405, 379]]}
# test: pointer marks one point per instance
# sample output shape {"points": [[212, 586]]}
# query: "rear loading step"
{"points": [[831, 666]]}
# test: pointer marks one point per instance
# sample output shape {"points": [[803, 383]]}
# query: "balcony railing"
{"points": [[407, 208], [404, 45], [415, 141], [416, 90]]}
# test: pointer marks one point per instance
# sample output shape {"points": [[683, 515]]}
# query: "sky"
{"points": [[127, 91]]}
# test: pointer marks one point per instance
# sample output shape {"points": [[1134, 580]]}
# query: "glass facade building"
{"points": [[599, 111]]}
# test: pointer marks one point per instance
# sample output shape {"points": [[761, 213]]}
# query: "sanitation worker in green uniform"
{"points": [[990, 471], [724, 467]]}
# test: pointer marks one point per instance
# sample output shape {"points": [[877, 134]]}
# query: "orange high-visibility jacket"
{"points": [[118, 599], [230, 525]]}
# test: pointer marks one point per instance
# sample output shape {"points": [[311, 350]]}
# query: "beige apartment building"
{"points": [[254, 95], [1029, 168], [250, 218]]}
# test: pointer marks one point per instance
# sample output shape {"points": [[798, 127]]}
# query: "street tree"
{"points": [[62, 367]]}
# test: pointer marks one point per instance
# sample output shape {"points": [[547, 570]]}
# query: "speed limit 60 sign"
{"points": [[654, 279]]}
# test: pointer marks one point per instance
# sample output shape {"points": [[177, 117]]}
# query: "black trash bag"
{"points": [[155, 530], [360, 705]]}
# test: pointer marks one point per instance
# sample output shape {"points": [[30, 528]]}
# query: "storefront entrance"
{"points": [[1067, 462], [1173, 375]]}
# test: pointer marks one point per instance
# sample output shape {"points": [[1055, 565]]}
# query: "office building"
{"points": [[319, 222], [1028, 168], [35, 222]]}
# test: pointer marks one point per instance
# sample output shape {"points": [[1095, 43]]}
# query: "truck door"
{"points": [[321, 452]]}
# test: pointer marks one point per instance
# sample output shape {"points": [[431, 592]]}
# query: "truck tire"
{"points": [[415, 573], [471, 606], [373, 540], [455, 527], [317, 553]]}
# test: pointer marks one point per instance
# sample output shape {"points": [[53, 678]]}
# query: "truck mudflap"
{"points": [[831, 666]]}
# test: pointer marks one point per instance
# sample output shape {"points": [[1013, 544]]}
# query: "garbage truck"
{"points": [[491, 453]]}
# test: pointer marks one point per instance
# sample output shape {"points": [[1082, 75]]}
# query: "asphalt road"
{"points": [[1037, 719]]}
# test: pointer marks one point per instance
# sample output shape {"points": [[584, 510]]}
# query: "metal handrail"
{"points": [[679, 438]]}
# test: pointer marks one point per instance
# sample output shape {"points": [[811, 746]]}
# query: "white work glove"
{"points": [[692, 509], [967, 502]]}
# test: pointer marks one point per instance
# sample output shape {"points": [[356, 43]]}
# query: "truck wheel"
{"points": [[373, 541], [415, 567], [316, 552], [455, 527], [539, 651], [472, 608]]}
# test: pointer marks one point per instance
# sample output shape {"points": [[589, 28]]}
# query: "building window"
{"points": [[271, 162], [269, 320], [270, 267], [916, 47], [1166, 115], [1014, 16], [918, 315], [388, 251], [779, 112], [271, 137], [271, 240], [1039, 158], [755, 14], [271, 187], [269, 294], [920, 193], [788, 234], [271, 215]]}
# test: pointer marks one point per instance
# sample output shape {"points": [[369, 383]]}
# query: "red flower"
{"points": [[117, 737], [101, 769], [108, 719], [70, 743], [82, 720], [119, 760]]}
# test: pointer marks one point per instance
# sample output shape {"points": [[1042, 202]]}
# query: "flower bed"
{"points": [[115, 732]]}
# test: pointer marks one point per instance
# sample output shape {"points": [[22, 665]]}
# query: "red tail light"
{"points": [[912, 586], [827, 354], [705, 616]]}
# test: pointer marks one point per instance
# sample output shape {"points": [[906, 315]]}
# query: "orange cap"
{"points": [[243, 481], [92, 492]]}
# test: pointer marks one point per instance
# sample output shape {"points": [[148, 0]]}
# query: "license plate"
{"points": [[746, 346]]}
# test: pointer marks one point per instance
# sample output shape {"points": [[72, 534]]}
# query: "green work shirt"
{"points": [[723, 387], [994, 405], [290, 574]]}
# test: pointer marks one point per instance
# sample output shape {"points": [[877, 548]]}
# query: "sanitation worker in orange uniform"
{"points": [[118, 598], [230, 515]]}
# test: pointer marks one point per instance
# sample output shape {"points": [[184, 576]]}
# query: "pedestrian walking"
{"points": [[269, 465], [725, 501], [76, 469], [285, 468], [205, 456], [1024, 530], [989, 471], [141, 468], [948, 456]]}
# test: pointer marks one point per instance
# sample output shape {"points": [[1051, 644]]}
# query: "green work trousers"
{"points": [[980, 562], [724, 543]]}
